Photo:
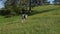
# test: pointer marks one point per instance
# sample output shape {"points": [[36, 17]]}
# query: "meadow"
{"points": [[43, 20]]}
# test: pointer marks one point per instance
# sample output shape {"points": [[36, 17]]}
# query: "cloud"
{"points": [[51, 1], [1, 4]]}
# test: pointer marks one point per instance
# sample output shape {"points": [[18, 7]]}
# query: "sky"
{"points": [[2, 3], [51, 1]]}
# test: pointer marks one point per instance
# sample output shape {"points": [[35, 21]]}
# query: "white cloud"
{"points": [[51, 1], [1, 4]]}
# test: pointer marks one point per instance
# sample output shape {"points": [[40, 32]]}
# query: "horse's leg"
{"points": [[23, 17]]}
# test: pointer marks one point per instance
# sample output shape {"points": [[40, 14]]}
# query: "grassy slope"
{"points": [[47, 22]]}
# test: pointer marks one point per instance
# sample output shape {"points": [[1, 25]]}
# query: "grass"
{"points": [[39, 23]]}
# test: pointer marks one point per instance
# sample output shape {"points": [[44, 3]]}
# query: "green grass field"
{"points": [[43, 20]]}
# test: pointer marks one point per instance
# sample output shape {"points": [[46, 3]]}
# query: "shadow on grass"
{"points": [[41, 11]]}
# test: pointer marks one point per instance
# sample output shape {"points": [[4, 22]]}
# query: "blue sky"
{"points": [[51, 1], [2, 3]]}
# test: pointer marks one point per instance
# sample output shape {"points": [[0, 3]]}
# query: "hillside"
{"points": [[43, 20]]}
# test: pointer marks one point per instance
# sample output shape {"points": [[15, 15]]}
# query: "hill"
{"points": [[43, 20]]}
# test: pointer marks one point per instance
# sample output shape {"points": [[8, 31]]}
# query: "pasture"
{"points": [[43, 20]]}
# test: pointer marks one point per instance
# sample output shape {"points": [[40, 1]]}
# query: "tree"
{"points": [[10, 6], [14, 6], [57, 2]]}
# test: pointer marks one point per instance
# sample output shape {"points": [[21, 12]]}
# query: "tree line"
{"points": [[13, 7]]}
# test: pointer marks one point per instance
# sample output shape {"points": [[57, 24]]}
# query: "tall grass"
{"points": [[39, 23]]}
